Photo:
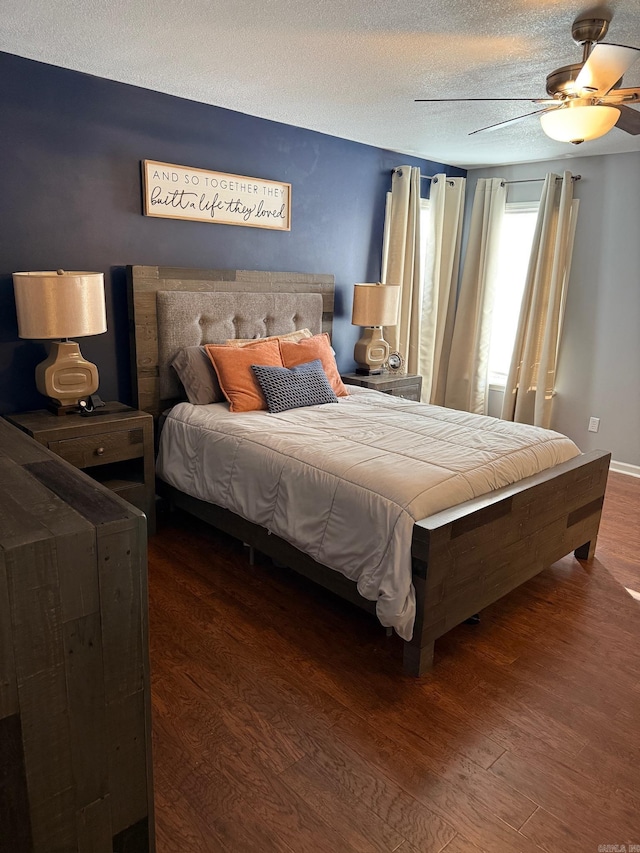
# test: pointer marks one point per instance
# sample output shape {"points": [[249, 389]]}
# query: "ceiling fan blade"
{"points": [[619, 96], [452, 100], [513, 120], [629, 120], [606, 64]]}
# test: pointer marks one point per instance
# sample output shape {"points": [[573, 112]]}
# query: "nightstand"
{"points": [[114, 445], [398, 385]]}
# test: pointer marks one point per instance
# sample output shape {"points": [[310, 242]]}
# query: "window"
{"points": [[514, 252]]}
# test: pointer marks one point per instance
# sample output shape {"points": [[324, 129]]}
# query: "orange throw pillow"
{"points": [[237, 380], [309, 349]]}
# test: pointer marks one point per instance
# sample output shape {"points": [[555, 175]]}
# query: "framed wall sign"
{"points": [[180, 192]]}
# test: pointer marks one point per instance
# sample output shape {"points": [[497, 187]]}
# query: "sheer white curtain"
{"points": [[402, 262], [446, 211], [530, 386], [467, 376]]}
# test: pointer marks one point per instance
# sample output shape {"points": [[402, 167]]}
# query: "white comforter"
{"points": [[345, 482]]}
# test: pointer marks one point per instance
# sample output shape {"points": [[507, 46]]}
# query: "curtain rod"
{"points": [[504, 183], [535, 180], [424, 177]]}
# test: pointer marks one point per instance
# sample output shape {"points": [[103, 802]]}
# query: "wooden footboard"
{"points": [[469, 556], [466, 557]]}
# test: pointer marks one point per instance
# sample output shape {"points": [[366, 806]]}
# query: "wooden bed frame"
{"points": [[463, 558]]}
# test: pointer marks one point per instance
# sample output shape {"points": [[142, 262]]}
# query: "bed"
{"points": [[460, 559]]}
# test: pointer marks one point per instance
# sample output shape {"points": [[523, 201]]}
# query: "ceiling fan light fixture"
{"points": [[579, 123]]}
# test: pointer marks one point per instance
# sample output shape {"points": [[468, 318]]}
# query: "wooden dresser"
{"points": [[75, 753]]}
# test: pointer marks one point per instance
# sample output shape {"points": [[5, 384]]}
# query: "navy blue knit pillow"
{"points": [[292, 387]]}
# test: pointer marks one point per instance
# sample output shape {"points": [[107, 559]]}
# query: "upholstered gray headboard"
{"points": [[172, 307], [191, 319]]}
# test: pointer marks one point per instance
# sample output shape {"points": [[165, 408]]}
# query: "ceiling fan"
{"points": [[584, 100]]}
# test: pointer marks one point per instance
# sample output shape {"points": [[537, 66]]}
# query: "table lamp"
{"points": [[374, 306], [57, 306]]}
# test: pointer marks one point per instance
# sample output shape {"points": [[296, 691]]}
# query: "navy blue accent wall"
{"points": [[70, 149]]}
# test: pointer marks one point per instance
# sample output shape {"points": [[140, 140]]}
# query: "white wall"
{"points": [[599, 361]]}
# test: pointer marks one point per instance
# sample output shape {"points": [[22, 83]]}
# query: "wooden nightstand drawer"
{"points": [[407, 392], [407, 386], [85, 451]]}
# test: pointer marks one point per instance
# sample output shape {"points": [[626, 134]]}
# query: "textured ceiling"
{"points": [[350, 68]]}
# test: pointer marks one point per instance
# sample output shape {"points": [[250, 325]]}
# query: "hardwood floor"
{"points": [[282, 721]]}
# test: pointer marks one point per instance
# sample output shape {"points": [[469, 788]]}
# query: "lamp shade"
{"points": [[579, 123], [375, 305], [59, 304]]}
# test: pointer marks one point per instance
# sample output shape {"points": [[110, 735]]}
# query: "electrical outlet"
{"points": [[594, 424]]}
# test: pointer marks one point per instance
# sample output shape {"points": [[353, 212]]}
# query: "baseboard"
{"points": [[625, 468]]}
